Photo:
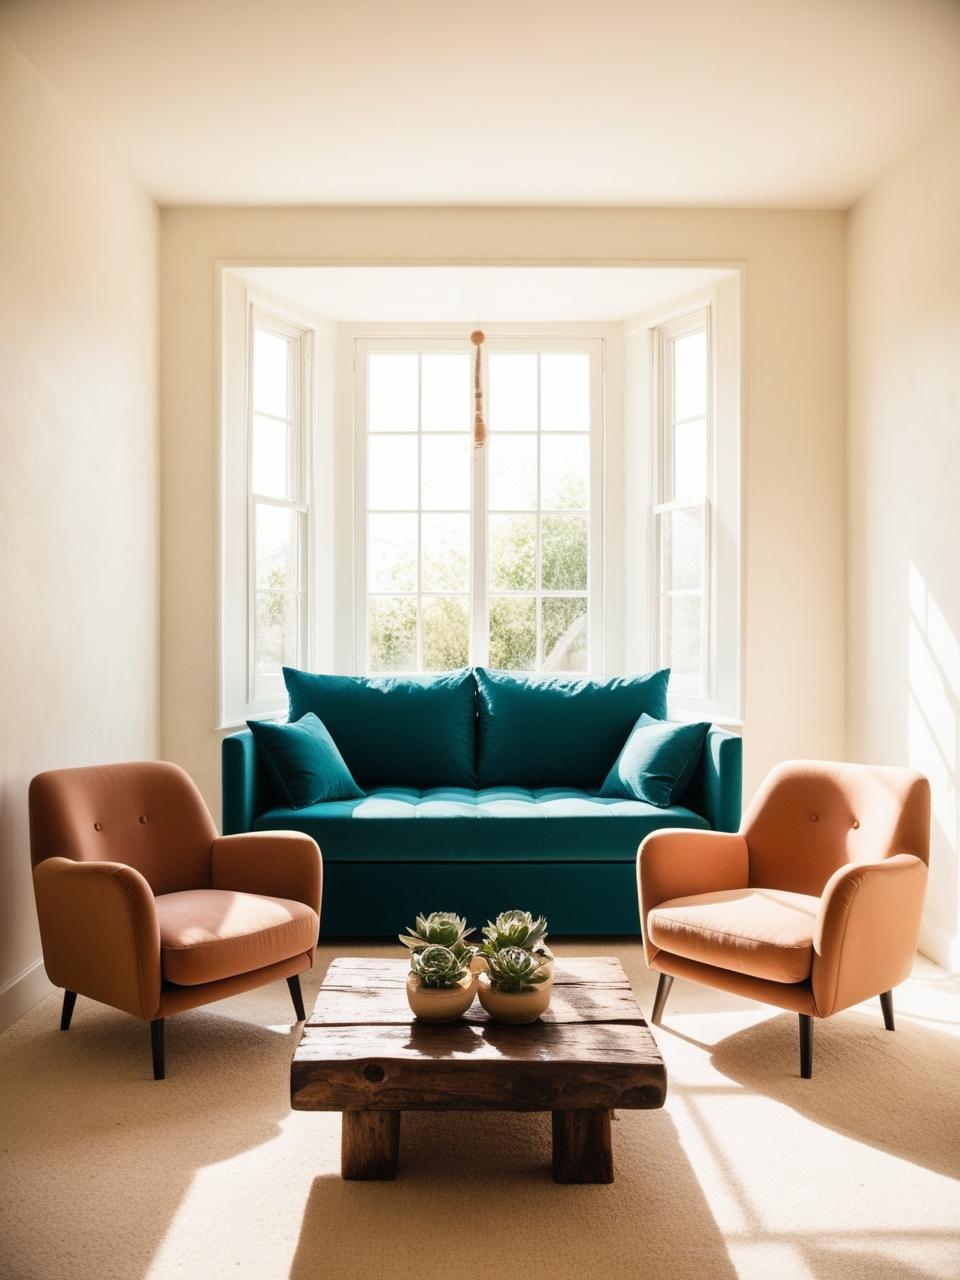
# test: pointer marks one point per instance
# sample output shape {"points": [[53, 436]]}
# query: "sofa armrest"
{"points": [[677, 863], [100, 933], [716, 788], [279, 864], [866, 932], [242, 797]]}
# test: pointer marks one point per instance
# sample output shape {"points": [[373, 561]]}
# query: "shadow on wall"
{"points": [[933, 740]]}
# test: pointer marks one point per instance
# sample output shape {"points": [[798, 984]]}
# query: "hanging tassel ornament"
{"points": [[479, 429]]}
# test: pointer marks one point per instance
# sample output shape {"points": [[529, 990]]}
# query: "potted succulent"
{"points": [[518, 929], [515, 987], [440, 984]]}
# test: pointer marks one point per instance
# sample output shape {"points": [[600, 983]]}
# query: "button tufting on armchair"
{"points": [[814, 905], [143, 907]]}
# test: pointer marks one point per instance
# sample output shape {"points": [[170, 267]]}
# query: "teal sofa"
{"points": [[480, 794]]}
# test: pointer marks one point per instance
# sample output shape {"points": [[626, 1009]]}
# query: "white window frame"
{"points": [[665, 423], [541, 342]]}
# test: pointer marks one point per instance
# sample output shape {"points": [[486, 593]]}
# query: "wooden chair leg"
{"points": [[156, 1044], [806, 1046], [66, 1013], [297, 996], [664, 983], [886, 1004]]}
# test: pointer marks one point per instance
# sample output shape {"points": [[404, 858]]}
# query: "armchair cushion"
{"points": [[766, 933], [207, 934]]}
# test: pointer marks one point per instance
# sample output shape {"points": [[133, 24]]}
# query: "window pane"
{"points": [[446, 633], [690, 376], [513, 553], [513, 632], [392, 472], [564, 472], [269, 465], [445, 392], [275, 547], [563, 553], [681, 549], [513, 473], [270, 373], [680, 641], [513, 391], [392, 392], [392, 551], [392, 633], [276, 642], [564, 629], [445, 553], [565, 391], [446, 473], [690, 459]]}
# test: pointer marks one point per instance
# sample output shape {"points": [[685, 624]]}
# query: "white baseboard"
{"points": [[22, 992], [940, 945]]}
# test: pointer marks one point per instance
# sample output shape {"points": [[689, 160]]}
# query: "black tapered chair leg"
{"points": [[297, 996], [806, 1046], [664, 983], [886, 1004], [66, 1013], [156, 1044]]}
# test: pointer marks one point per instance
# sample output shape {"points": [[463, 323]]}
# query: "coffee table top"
{"points": [[363, 1050]]}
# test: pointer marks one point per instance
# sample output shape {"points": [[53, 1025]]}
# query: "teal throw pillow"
{"points": [[303, 762], [657, 761]]}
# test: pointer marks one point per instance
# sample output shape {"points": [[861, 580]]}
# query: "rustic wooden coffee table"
{"points": [[363, 1053]]}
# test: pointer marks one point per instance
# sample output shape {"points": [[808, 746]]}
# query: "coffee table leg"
{"points": [[370, 1145], [582, 1150]]}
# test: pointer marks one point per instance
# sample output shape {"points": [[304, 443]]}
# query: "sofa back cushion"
{"points": [[406, 731], [553, 732]]}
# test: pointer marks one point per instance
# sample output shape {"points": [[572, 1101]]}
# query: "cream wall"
{"points": [[793, 423], [903, 519], [79, 477]]}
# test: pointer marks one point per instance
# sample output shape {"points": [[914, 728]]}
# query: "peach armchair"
{"points": [[143, 907], [813, 906]]}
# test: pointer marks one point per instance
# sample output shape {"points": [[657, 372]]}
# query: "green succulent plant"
{"points": [[514, 970], [439, 928], [439, 967], [514, 929]]}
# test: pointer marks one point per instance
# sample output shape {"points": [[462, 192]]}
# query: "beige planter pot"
{"points": [[435, 1004], [478, 963], [515, 1008]]}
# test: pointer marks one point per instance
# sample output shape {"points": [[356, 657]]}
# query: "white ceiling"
{"points": [[697, 102], [474, 294]]}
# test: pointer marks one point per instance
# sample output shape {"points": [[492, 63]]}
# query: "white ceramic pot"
{"points": [[440, 1004], [513, 1007]]}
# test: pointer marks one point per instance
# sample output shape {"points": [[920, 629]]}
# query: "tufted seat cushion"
{"points": [[457, 824], [766, 933], [206, 934]]}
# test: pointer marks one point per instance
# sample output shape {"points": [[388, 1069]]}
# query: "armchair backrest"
{"points": [[811, 817], [148, 815]]}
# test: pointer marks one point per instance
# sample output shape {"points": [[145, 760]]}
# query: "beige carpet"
{"points": [[748, 1171]]}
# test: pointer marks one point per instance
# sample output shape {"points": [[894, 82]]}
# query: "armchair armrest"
{"points": [[279, 864], [866, 931], [100, 933], [677, 863]]}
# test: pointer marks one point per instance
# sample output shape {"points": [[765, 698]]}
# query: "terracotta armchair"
{"points": [[143, 907], [813, 906]]}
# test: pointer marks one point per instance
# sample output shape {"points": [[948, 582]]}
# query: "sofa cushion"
{"points": [[552, 732], [767, 933], [657, 761], [303, 762], [206, 934], [497, 824], [415, 731]]}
